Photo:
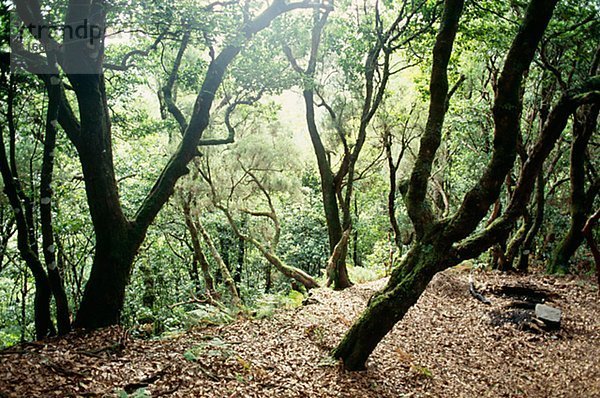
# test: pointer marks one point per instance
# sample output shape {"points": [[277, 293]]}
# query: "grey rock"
{"points": [[549, 315]]}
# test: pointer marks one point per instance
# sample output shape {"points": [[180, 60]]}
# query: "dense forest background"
{"points": [[205, 160]]}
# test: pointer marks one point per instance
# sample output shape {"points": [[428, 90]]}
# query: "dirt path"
{"points": [[447, 346]]}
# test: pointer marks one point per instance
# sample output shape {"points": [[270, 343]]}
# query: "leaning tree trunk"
{"points": [[581, 202], [199, 257], [411, 277], [435, 248], [389, 306], [235, 296], [117, 238], [268, 252], [516, 242]]}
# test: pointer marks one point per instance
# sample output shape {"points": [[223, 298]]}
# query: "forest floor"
{"points": [[448, 345]]}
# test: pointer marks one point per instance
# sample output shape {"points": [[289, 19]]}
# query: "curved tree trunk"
{"points": [[291, 272], [117, 238], [389, 306], [268, 253], [581, 202], [436, 241], [515, 243]]}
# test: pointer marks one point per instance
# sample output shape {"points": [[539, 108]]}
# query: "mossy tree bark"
{"points": [[581, 202], [117, 237], [389, 306], [440, 244]]}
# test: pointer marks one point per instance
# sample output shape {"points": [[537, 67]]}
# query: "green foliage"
{"points": [[366, 274], [269, 303], [304, 241], [166, 294]]}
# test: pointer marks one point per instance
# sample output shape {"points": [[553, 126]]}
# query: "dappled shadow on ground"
{"points": [[447, 346]]}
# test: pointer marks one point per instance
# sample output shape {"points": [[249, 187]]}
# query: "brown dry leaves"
{"points": [[445, 347]]}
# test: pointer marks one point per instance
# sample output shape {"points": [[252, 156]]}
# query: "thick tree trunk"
{"points": [[113, 260], [387, 307], [435, 248], [581, 202], [116, 245], [44, 326], [329, 195], [104, 292]]}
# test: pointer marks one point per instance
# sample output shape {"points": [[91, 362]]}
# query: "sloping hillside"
{"points": [[449, 345]]}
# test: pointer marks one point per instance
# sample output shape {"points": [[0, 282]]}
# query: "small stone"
{"points": [[549, 315]]}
